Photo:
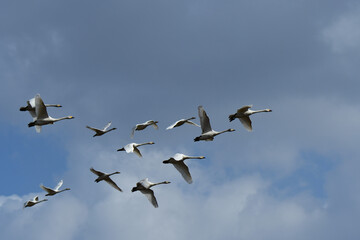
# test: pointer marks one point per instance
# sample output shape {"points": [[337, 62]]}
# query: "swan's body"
{"points": [[181, 122], [133, 147], [207, 133], [144, 187], [42, 117], [243, 114], [33, 202], [142, 126], [30, 107], [178, 161], [99, 132], [51, 192], [106, 178]]}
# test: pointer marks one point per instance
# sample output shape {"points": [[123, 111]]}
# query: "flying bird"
{"points": [[243, 114], [178, 161], [133, 147], [207, 133], [33, 202], [181, 122], [142, 126], [42, 117], [30, 107], [51, 192], [99, 132], [144, 187], [106, 178]]}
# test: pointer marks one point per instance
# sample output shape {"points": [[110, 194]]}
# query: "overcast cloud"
{"points": [[294, 177]]}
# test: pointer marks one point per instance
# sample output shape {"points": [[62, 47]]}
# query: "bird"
{"points": [[181, 122], [100, 132], [51, 192], [33, 202], [144, 187], [178, 161], [133, 147], [243, 114], [42, 117], [142, 126], [106, 178], [207, 133], [30, 107]]}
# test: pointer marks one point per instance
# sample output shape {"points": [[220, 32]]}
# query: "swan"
{"points": [[144, 187], [181, 122], [133, 147], [142, 126], [30, 107], [42, 117], [51, 192], [33, 202], [106, 178], [100, 132], [207, 133], [243, 114], [178, 161]]}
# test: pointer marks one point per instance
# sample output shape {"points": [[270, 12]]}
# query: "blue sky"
{"points": [[294, 177]]}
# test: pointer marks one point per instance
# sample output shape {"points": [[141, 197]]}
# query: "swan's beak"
{"points": [[70, 117], [202, 157]]}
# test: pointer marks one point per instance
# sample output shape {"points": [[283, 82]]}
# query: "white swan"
{"points": [[144, 187], [106, 178], [133, 147], [178, 161], [243, 114], [33, 202], [51, 192], [142, 126], [99, 132], [30, 107], [42, 117], [181, 122], [207, 133]]}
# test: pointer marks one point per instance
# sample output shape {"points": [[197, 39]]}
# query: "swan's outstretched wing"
{"points": [[155, 125], [137, 151], [244, 109], [38, 128], [133, 132], [184, 170], [40, 108], [107, 126], [31, 108], [172, 126], [98, 173], [58, 186], [192, 123], [150, 196], [246, 122], [48, 190], [112, 183], [204, 120], [94, 129]]}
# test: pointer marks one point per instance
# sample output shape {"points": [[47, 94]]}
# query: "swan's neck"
{"points": [[113, 173], [154, 184], [262, 110], [59, 119], [148, 143]]}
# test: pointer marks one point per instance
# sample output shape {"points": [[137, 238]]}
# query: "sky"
{"points": [[295, 176]]}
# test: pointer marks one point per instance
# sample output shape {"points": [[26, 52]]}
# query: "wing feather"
{"points": [[204, 120]]}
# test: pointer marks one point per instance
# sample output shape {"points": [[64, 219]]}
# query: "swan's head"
{"points": [[151, 143], [231, 130], [70, 117], [268, 110], [167, 182], [201, 157]]}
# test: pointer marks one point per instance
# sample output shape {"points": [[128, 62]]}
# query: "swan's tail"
{"points": [[231, 117]]}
